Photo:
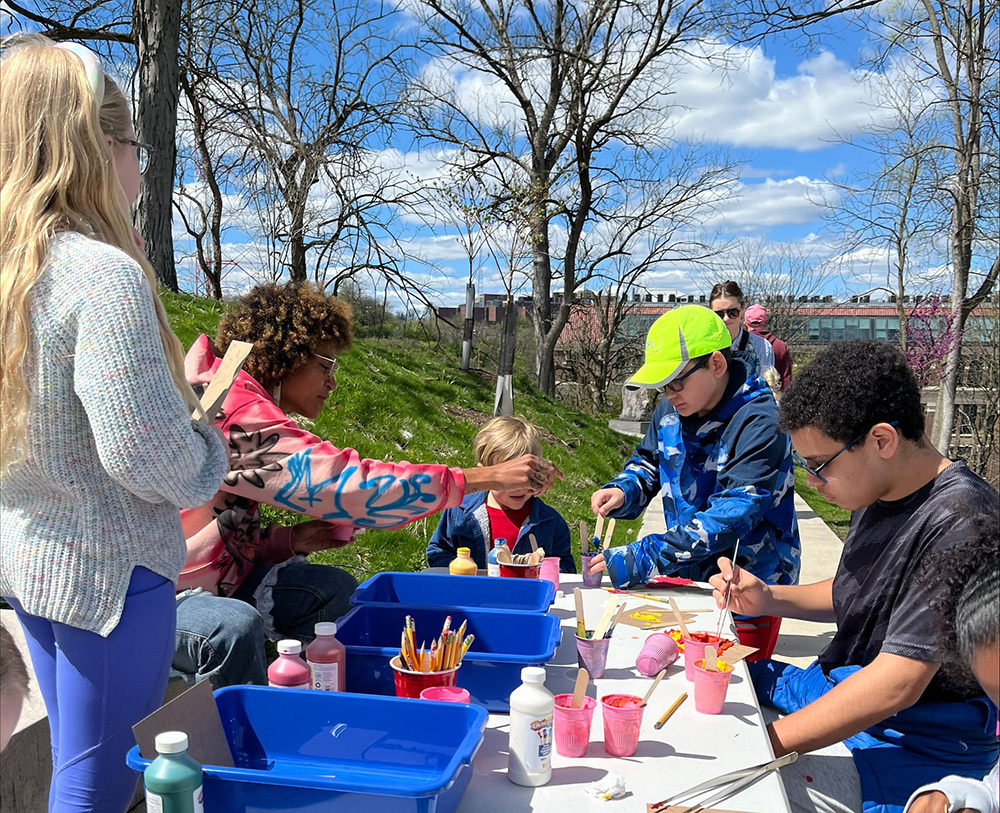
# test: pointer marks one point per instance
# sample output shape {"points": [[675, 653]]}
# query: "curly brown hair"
{"points": [[286, 323]]}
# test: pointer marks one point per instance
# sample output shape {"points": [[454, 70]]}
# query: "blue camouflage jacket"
{"points": [[725, 476]]}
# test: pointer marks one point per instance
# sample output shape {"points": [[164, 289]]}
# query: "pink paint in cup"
{"points": [[572, 726], [658, 652], [550, 570], [622, 719], [592, 655], [450, 694], [710, 687], [588, 579]]}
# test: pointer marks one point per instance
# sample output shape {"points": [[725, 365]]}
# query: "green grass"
{"points": [[392, 386], [836, 518]]}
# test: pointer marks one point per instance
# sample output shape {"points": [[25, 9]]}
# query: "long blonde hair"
{"points": [[56, 175]]}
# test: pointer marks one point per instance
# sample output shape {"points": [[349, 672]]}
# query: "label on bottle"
{"points": [[537, 743], [154, 802], [492, 568], [198, 801], [294, 686], [324, 676]]}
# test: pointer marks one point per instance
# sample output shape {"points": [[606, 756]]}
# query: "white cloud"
{"points": [[759, 206]]}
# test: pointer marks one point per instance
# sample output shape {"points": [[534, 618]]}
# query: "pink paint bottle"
{"points": [[289, 671]]}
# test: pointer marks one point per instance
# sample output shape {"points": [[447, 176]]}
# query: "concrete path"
{"points": [[800, 641]]}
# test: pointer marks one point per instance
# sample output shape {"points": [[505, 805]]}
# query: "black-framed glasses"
{"points": [[815, 470], [678, 383], [334, 364], [143, 151], [728, 313]]}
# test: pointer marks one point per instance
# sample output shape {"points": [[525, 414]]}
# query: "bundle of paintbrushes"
{"points": [[592, 545], [445, 652], [505, 557], [605, 626]]}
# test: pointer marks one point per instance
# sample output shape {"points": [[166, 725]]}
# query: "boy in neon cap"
{"points": [[714, 448]]}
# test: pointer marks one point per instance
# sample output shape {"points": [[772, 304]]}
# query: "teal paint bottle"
{"points": [[173, 779]]}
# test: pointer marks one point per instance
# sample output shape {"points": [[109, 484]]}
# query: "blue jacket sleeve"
{"points": [[744, 493], [562, 545], [442, 546], [640, 480]]}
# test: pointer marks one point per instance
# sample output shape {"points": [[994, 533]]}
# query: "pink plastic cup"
{"points": [[693, 651], [658, 652], [411, 684], [592, 655], [550, 570], [622, 719], [573, 725], [588, 579], [710, 688], [450, 694]]}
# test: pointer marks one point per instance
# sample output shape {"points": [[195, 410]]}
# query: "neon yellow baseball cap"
{"points": [[675, 338]]}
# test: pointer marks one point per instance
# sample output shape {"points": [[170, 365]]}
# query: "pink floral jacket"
{"points": [[274, 461]]}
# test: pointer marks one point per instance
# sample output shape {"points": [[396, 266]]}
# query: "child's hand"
{"points": [[606, 500], [933, 801], [597, 565]]}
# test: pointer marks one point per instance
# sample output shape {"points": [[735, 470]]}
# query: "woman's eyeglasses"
{"points": [[331, 371], [728, 313], [143, 151], [678, 383]]}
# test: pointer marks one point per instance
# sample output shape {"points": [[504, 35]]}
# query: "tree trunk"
{"points": [[541, 301], [944, 424], [157, 26], [296, 243]]}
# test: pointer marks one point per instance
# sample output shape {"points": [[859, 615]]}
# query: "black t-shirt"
{"points": [[879, 600]]}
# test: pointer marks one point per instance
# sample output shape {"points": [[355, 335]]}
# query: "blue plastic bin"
{"points": [[299, 750], [505, 642], [442, 590]]}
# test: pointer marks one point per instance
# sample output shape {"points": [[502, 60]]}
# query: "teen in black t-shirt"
{"points": [[856, 423]]}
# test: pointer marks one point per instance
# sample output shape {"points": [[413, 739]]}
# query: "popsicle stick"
{"points": [[711, 656], [651, 689], [680, 619], [605, 620], [580, 688], [533, 542], [597, 531], [609, 533], [217, 389], [584, 539], [581, 625]]}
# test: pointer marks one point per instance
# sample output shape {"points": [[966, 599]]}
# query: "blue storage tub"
{"points": [[504, 643], [443, 590], [300, 750]]}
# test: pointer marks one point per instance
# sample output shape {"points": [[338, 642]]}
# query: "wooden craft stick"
{"points": [[218, 388], [680, 619], [584, 539], [669, 712], [533, 542], [581, 626], [617, 618], [711, 656], [651, 689], [605, 620], [608, 534], [597, 530], [580, 688]]}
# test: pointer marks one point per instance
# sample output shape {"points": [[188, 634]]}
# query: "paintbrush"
{"points": [[729, 593]]}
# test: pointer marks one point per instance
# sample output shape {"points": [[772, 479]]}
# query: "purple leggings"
{"points": [[96, 688]]}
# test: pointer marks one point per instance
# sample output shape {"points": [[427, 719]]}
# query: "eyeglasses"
{"points": [[728, 313], [143, 151], [815, 471], [678, 383], [334, 364]]}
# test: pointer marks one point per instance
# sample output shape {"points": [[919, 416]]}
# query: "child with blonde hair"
{"points": [[484, 518]]}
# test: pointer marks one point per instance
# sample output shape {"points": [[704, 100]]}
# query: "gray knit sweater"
{"points": [[111, 450]]}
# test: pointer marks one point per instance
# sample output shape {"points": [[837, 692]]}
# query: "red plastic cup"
{"points": [[450, 694], [573, 725], [411, 684], [592, 655], [658, 652], [521, 571], [590, 580], [622, 719], [710, 688], [550, 570], [695, 650]]}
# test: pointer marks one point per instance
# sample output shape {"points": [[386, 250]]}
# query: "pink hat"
{"points": [[755, 316]]}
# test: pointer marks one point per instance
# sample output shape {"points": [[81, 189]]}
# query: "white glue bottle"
{"points": [[531, 708]]}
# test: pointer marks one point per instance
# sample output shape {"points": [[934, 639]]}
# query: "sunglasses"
{"points": [[677, 385], [728, 313], [815, 470]]}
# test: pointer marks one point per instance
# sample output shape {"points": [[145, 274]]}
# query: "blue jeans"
{"points": [[223, 638], [95, 689]]}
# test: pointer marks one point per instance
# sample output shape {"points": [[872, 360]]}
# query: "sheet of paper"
{"points": [[194, 713], [218, 388], [653, 616], [736, 653]]}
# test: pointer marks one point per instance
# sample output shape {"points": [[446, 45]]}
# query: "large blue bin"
{"points": [[505, 642], [443, 590], [300, 750]]}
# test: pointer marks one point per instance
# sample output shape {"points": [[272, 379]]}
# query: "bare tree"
{"points": [[581, 92]]}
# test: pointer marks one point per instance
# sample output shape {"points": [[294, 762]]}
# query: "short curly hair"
{"points": [[850, 387], [286, 323]]}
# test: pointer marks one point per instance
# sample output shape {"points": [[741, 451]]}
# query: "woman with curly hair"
{"points": [[97, 446], [297, 332]]}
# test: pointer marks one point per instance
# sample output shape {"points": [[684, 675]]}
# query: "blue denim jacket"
{"points": [[725, 476], [468, 526]]}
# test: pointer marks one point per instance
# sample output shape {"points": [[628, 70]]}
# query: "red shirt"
{"points": [[506, 524]]}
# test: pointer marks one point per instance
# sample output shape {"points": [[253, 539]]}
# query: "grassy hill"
{"points": [[389, 388]]}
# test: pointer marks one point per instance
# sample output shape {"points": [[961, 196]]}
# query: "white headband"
{"points": [[91, 67]]}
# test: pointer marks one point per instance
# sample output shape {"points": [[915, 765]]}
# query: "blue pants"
{"points": [[918, 745], [95, 689]]}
